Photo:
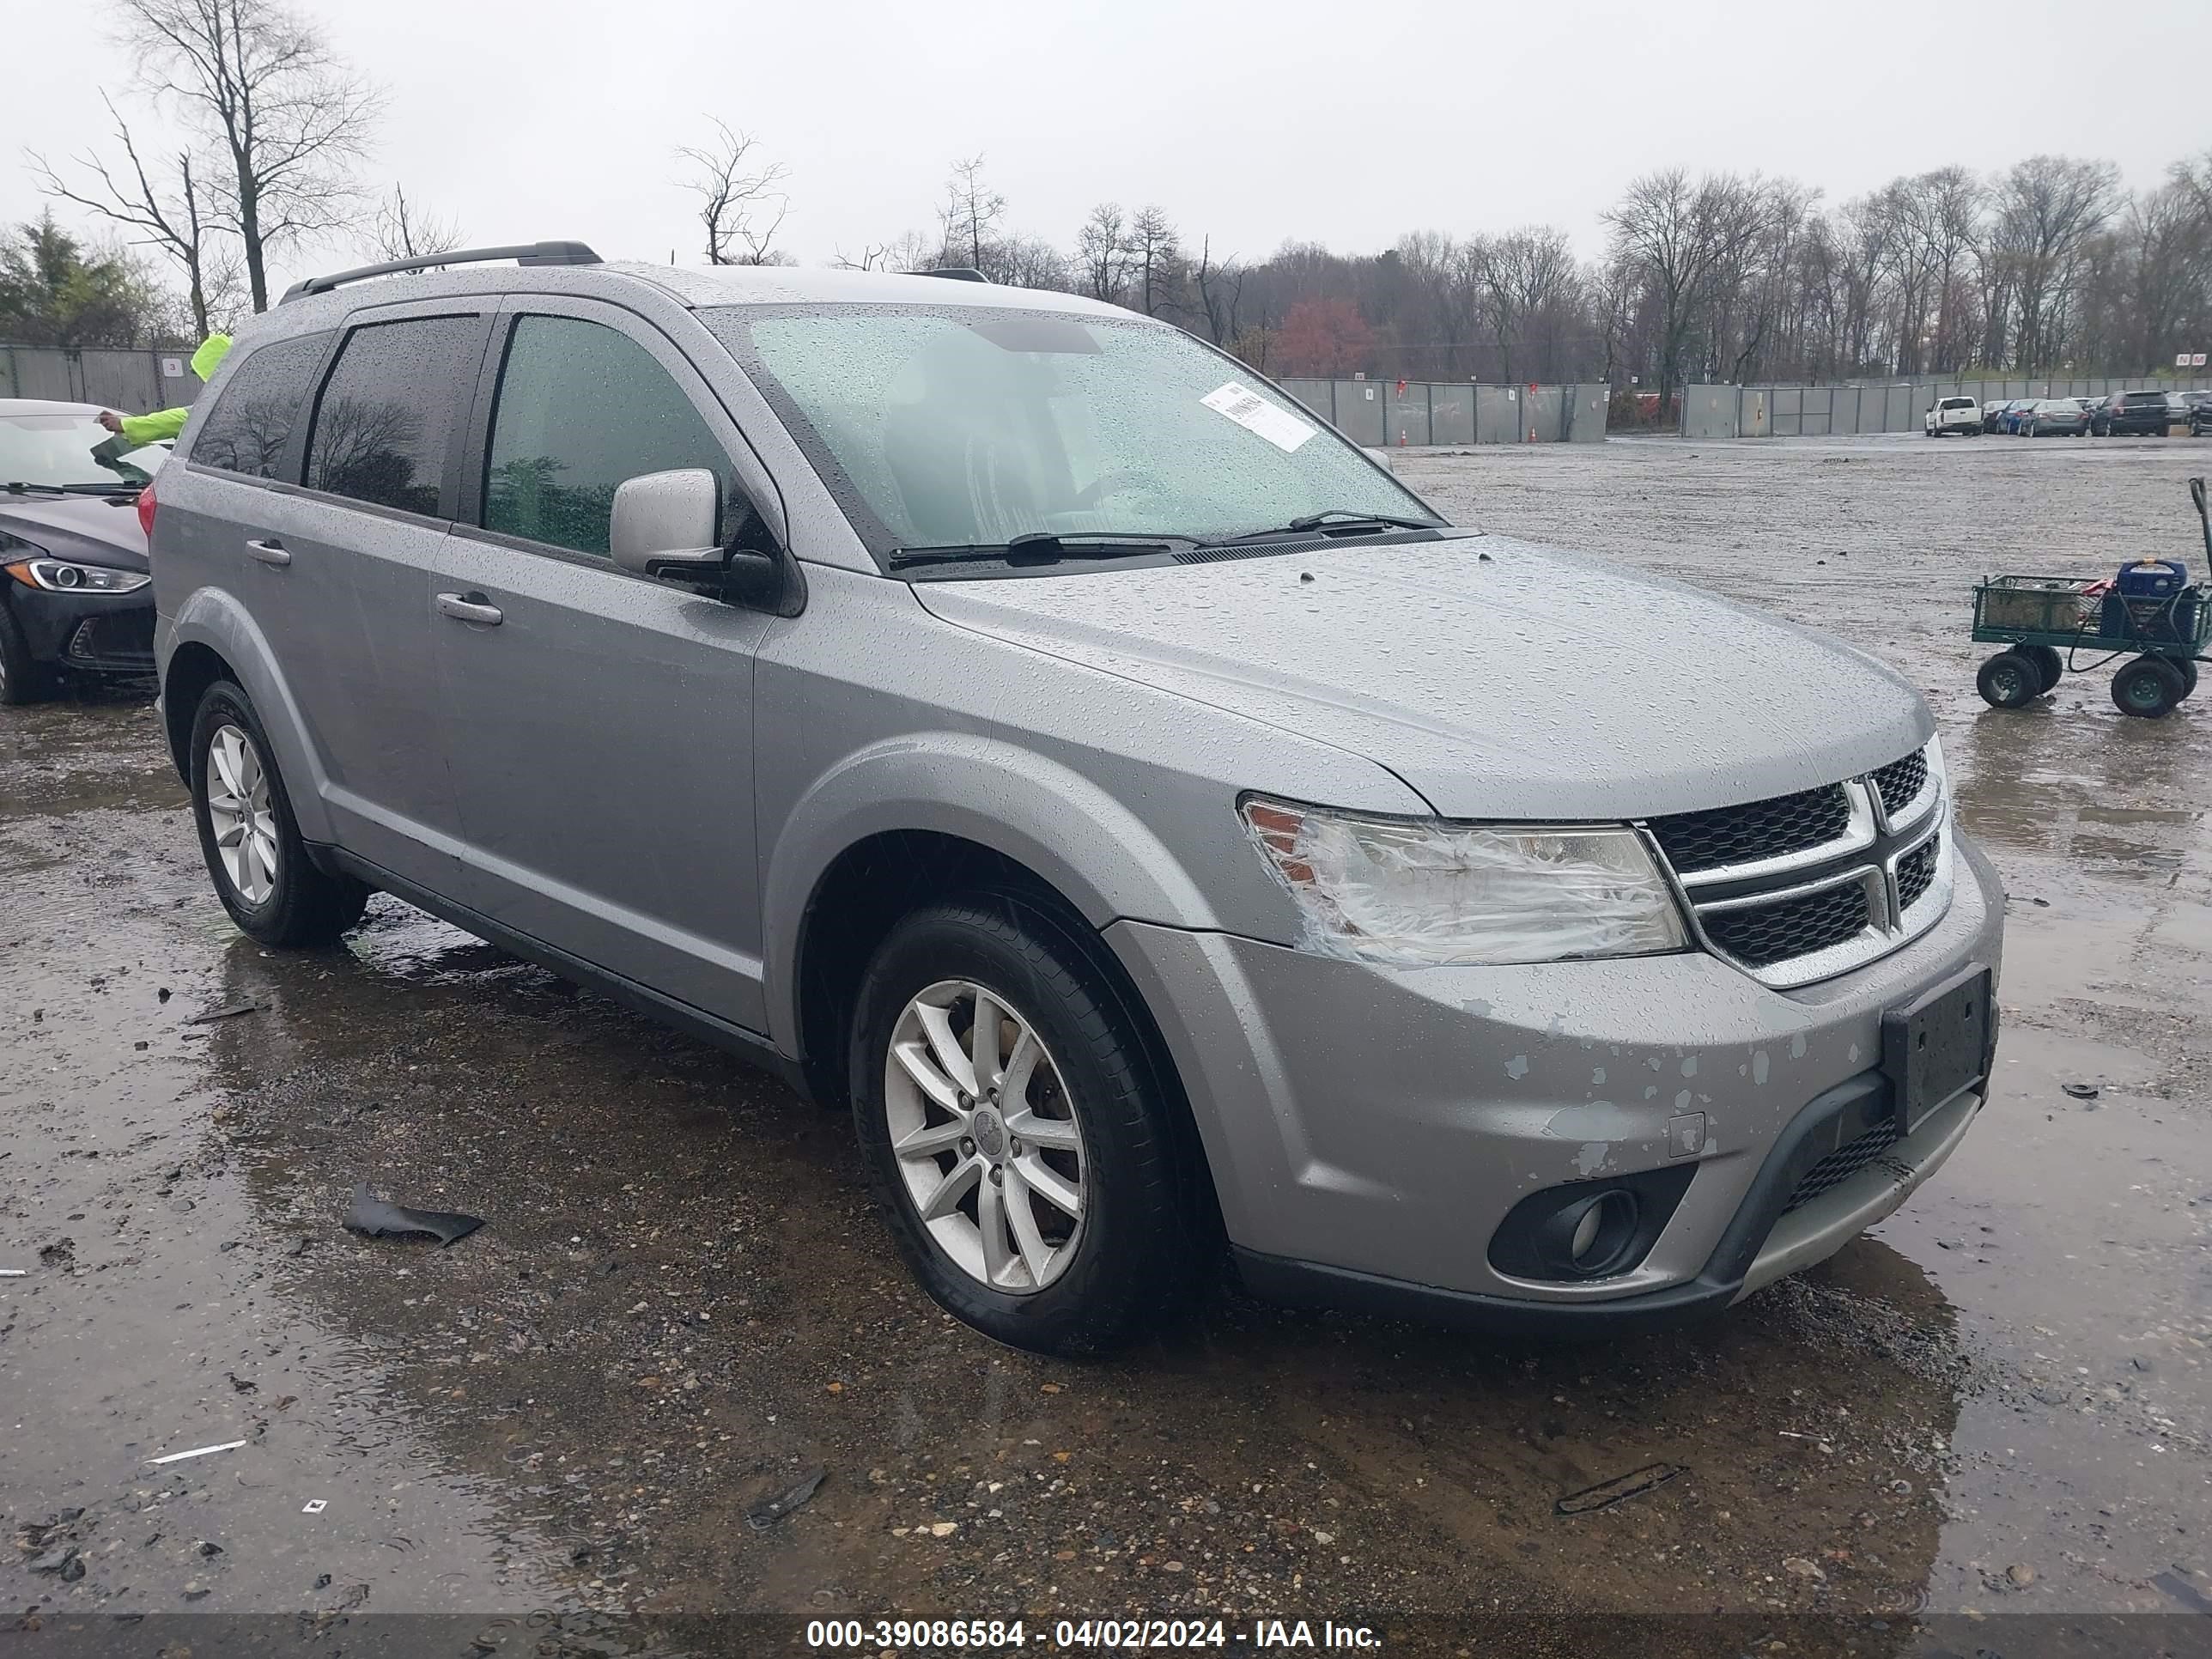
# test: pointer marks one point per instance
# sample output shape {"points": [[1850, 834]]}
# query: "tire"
{"points": [[2187, 670], [1093, 1281], [23, 678], [2148, 687], [2009, 680], [2050, 666], [297, 904]]}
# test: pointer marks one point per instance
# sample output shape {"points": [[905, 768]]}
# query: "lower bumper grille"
{"points": [[1843, 1163], [126, 637]]}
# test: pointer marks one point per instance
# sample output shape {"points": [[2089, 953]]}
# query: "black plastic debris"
{"points": [[765, 1515], [229, 1011], [1619, 1490], [375, 1218], [2081, 1091]]}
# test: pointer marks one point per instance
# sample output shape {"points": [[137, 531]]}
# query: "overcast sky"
{"points": [[1339, 122]]}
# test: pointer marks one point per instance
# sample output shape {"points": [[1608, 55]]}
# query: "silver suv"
{"points": [[1015, 720]]}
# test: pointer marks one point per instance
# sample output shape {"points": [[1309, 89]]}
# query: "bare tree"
{"points": [[971, 213], [1103, 248], [1220, 293], [169, 208], [263, 89], [740, 207], [1681, 238], [407, 231], [1155, 255], [2048, 208]]}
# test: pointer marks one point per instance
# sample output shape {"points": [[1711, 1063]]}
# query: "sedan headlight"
{"points": [[1422, 893], [60, 576]]}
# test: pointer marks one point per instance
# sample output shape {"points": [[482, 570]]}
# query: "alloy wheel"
{"points": [[239, 810], [985, 1136]]}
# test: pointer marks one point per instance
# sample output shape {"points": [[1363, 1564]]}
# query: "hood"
{"points": [[1498, 678], [93, 529]]}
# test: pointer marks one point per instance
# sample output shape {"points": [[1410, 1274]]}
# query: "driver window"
{"points": [[580, 408]]}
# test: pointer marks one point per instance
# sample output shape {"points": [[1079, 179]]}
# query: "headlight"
{"points": [[1425, 893], [60, 576]]}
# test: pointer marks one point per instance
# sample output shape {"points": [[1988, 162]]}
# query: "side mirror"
{"points": [[1380, 457], [663, 524]]}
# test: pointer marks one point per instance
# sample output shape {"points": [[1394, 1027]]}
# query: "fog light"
{"points": [[1589, 1236], [1585, 1239], [1589, 1229]]}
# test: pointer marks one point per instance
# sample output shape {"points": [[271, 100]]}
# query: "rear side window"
{"points": [[251, 424], [1958, 402], [582, 407], [385, 420]]}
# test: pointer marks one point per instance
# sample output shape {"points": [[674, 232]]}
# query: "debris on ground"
{"points": [[376, 1217], [196, 1451], [228, 1011], [1619, 1490], [765, 1515], [2081, 1091]]}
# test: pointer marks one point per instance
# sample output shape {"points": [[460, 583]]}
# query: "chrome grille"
{"points": [[1900, 783], [1843, 1163], [1801, 887], [1915, 871], [1759, 936], [1764, 829]]}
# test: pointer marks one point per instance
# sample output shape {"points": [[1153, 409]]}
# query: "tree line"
{"points": [[242, 138]]}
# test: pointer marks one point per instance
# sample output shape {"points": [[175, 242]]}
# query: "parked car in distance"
{"points": [[1962, 416], [2054, 416], [2123, 413], [1993, 414], [1017, 721], [2193, 409], [75, 595]]}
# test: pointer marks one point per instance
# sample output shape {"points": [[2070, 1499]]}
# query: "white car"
{"points": [[1959, 415]]}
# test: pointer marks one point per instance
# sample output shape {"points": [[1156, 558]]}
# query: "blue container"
{"points": [[2153, 579]]}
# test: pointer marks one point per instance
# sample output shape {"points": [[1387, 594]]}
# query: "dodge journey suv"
{"points": [[1015, 720]]}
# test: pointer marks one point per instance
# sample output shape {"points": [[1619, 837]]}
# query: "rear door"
{"points": [[602, 724], [355, 546]]}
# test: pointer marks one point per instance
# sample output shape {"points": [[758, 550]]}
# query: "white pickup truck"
{"points": [[1961, 415]]}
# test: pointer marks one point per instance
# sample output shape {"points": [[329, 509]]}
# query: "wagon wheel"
{"points": [[2009, 680], [2187, 670], [2148, 687], [2049, 665]]}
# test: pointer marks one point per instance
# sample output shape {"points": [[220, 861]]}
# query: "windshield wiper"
{"points": [[98, 487], [1044, 547], [1342, 518], [17, 487]]}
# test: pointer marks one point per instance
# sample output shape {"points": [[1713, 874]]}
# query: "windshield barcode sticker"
{"points": [[1255, 414]]}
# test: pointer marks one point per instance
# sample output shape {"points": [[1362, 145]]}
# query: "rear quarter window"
{"points": [[250, 424]]}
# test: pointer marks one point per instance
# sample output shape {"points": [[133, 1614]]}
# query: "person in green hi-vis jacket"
{"points": [[168, 423]]}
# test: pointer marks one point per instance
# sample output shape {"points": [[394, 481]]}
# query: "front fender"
{"points": [[1099, 855], [213, 618]]}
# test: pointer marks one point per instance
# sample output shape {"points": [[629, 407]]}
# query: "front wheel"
{"points": [[2148, 687], [23, 678], [2187, 669], [262, 872], [1016, 1133]]}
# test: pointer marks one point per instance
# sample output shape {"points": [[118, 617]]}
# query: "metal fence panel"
{"points": [[1544, 413], [1497, 415], [1901, 408], [1359, 411], [1586, 413], [1408, 415], [1451, 414], [1314, 394], [1789, 411]]}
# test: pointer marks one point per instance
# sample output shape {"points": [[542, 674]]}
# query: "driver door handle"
{"points": [[270, 551], [469, 608]]}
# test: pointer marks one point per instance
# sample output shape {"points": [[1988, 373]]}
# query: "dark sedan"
{"points": [[2193, 407], [75, 591], [2046, 416]]}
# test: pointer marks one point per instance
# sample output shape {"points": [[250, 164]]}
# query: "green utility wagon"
{"points": [[2150, 613]]}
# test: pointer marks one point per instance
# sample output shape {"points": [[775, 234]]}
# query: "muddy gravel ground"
{"points": [[551, 1436]]}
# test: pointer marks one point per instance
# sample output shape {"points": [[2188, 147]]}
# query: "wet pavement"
{"points": [[682, 1305]]}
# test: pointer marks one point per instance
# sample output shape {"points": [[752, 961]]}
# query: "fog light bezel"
{"points": [[1534, 1241]]}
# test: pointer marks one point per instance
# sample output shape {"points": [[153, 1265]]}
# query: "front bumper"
{"points": [[100, 633], [1368, 1130]]}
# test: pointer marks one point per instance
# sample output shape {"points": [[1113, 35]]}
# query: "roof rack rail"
{"points": [[523, 253], [957, 273]]}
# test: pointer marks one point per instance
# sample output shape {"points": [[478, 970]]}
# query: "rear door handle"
{"points": [[270, 551], [469, 608]]}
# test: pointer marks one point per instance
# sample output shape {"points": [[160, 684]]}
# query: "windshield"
{"points": [[965, 426], [66, 448]]}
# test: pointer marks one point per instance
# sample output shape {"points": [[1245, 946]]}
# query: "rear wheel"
{"points": [[23, 678], [2187, 670], [260, 865], [2050, 666], [2009, 680], [1015, 1131], [2148, 687]]}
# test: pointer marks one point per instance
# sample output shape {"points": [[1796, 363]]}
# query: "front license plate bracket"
{"points": [[1938, 1045]]}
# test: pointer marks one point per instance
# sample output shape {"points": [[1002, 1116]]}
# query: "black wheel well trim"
{"points": [[193, 667]]}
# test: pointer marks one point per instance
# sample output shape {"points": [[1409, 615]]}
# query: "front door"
{"points": [[601, 725]]}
